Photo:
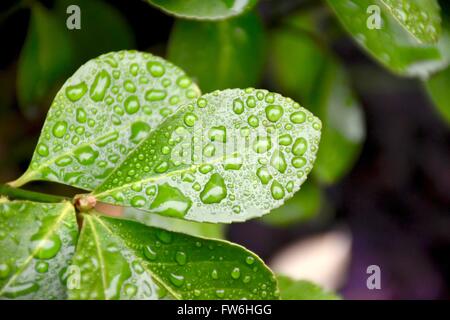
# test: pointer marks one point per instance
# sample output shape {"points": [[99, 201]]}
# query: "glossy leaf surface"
{"points": [[102, 112], [128, 260], [438, 88], [230, 156], [219, 55], [302, 290], [204, 10], [401, 39], [36, 242]]}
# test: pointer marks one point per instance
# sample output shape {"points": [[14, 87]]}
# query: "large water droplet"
{"points": [[100, 85], [233, 162], [299, 147], [238, 106], [81, 115], [277, 190], [298, 117], [214, 190], [263, 175], [298, 162], [274, 113], [132, 104], [138, 201], [155, 68], [139, 131], [86, 155], [76, 92], [170, 201], [177, 280], [45, 247], [278, 161], [42, 150], [181, 258], [189, 119], [5, 270], [155, 95]]}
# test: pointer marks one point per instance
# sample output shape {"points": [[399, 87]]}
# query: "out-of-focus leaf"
{"points": [[102, 112], [204, 9], [199, 229], [122, 259], [36, 241], [231, 155], [438, 87], [304, 70], [46, 58], [302, 290], [402, 42], [304, 205], [103, 29], [219, 55]]}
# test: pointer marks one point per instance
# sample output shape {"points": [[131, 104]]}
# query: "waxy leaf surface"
{"points": [[230, 156], [101, 113], [36, 242], [122, 259]]}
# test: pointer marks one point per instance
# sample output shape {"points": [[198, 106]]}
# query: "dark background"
{"points": [[395, 200]]}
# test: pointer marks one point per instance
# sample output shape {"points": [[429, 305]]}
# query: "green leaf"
{"points": [[122, 259], [200, 229], [303, 206], [101, 113], [438, 88], [46, 58], [304, 70], [302, 290], [402, 44], [230, 156], [204, 10], [99, 33], [219, 55], [36, 241]]}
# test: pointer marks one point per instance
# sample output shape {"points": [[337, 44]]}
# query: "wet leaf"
{"points": [[230, 156], [204, 10], [302, 290], [303, 69], [438, 88], [403, 40], [36, 241], [219, 55], [303, 206], [101, 113], [122, 259], [46, 59]]}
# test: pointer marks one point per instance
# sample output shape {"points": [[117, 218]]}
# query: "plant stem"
{"points": [[21, 194]]}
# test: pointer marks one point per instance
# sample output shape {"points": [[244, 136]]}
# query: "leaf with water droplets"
{"points": [[204, 10], [307, 72], [46, 59], [121, 259], [219, 55], [36, 241], [403, 38], [302, 290], [224, 160], [438, 88], [101, 113]]}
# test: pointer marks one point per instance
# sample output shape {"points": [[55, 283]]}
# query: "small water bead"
{"points": [[251, 102], [274, 113], [196, 186], [205, 168], [43, 246], [64, 161], [249, 260], [149, 253], [81, 115], [218, 134], [298, 162], [236, 273], [138, 201], [86, 155], [129, 86], [317, 125], [130, 290], [174, 100], [298, 117], [285, 139], [300, 146], [201, 102], [100, 85], [170, 201], [150, 191], [278, 161], [76, 92], [263, 175], [184, 82], [214, 191], [5, 270], [233, 163], [134, 69], [162, 167], [290, 186], [176, 280], [132, 104], [238, 106], [209, 150], [215, 274], [220, 293], [277, 190], [181, 258], [246, 279], [253, 121], [139, 131], [41, 267], [155, 95], [190, 119], [42, 150], [262, 144], [156, 68]]}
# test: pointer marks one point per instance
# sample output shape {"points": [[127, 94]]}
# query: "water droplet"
{"points": [[130, 290], [201, 103], [86, 155], [215, 274], [218, 134], [139, 131], [246, 279], [100, 85], [253, 121], [45, 247], [189, 119], [285, 139], [76, 92], [214, 190], [205, 168], [238, 106], [249, 260], [177, 280], [5, 270], [170, 201], [42, 150], [138, 201], [278, 161], [149, 253], [274, 113], [41, 267], [180, 258], [129, 86], [155, 68], [263, 175], [155, 95], [236, 273], [209, 150], [164, 236], [251, 102], [81, 115], [298, 117], [277, 190], [299, 147], [233, 163], [132, 104], [298, 162], [262, 144], [220, 293], [184, 82]]}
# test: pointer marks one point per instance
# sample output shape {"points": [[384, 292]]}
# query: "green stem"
{"points": [[20, 194]]}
